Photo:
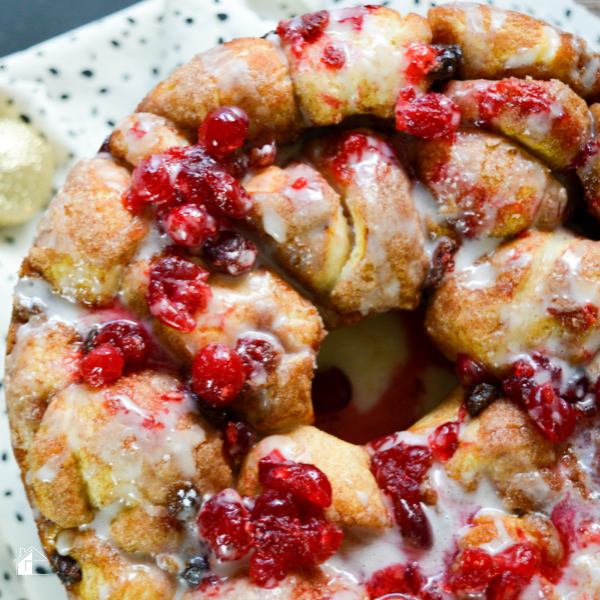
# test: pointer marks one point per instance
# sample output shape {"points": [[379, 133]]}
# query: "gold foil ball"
{"points": [[26, 172]]}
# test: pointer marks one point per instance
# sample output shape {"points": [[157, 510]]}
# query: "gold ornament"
{"points": [[26, 172]]}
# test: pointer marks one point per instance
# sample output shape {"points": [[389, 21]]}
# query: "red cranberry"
{"points": [[286, 531], [301, 481], [224, 522], [331, 391], [553, 415], [204, 181], [102, 365], [177, 290], [506, 586], [218, 374], [230, 253], [275, 504], [129, 337], [193, 178], [410, 516], [260, 357], [314, 24], [324, 539], [228, 198], [444, 441], [278, 549], [471, 372], [405, 580], [401, 461], [223, 130], [473, 573], [399, 472], [189, 225], [282, 528], [520, 384], [442, 261], [422, 59], [345, 151], [522, 558], [286, 541], [263, 154], [527, 97], [430, 116], [310, 28], [333, 57], [152, 180], [239, 437]]}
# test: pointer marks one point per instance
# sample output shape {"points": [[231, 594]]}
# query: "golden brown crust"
{"points": [[134, 530], [387, 265], [534, 528], [42, 361], [309, 238], [87, 236], [141, 135], [248, 73], [259, 302], [72, 460], [502, 446], [499, 43], [361, 86], [107, 571], [505, 447], [485, 185], [356, 497], [524, 302], [589, 171], [557, 131]]}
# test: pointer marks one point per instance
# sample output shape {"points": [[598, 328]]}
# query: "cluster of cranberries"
{"points": [[476, 573], [405, 580], [110, 348], [527, 97], [399, 471], [537, 384], [194, 192], [284, 526], [432, 115], [499, 577], [309, 28]]}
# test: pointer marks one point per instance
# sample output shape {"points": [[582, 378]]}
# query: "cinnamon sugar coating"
{"points": [[485, 185], [356, 497], [503, 43], [529, 299], [249, 73], [87, 236]]}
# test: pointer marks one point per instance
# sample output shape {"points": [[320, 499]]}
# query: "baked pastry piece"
{"points": [[169, 314]]}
